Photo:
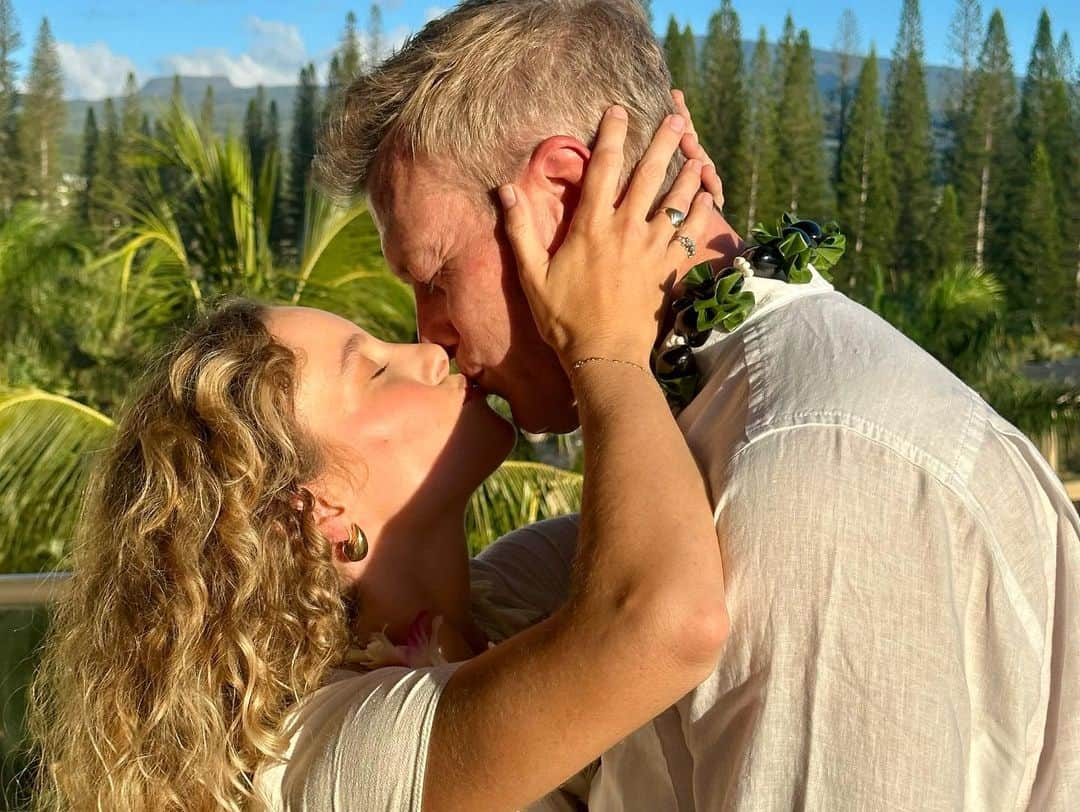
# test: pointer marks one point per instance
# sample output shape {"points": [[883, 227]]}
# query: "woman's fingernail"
{"points": [[617, 112], [678, 123], [508, 196]]}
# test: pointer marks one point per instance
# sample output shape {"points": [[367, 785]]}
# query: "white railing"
{"points": [[32, 589]]}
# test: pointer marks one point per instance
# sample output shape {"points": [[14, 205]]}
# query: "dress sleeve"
{"points": [[360, 743], [528, 570]]}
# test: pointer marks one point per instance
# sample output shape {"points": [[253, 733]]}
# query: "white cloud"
{"points": [[92, 71], [395, 39], [274, 57]]}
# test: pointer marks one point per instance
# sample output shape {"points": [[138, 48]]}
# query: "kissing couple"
{"points": [[812, 568]]}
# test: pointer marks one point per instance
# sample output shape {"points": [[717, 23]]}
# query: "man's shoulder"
{"points": [[825, 364]]}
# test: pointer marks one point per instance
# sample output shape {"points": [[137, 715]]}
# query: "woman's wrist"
{"points": [[599, 379], [574, 367]]}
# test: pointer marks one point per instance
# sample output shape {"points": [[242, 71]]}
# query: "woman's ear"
{"points": [[326, 509]]}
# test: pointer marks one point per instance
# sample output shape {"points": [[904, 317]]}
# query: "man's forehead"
{"points": [[414, 210]]}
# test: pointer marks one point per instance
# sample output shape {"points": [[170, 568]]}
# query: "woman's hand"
{"points": [[599, 294]]}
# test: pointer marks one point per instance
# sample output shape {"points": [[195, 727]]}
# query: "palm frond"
{"points": [[342, 270], [46, 443], [1034, 407], [517, 494]]}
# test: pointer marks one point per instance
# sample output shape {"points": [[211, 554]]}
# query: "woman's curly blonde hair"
{"points": [[203, 603]]}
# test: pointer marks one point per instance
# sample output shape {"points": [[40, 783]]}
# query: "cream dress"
{"points": [[359, 743]]}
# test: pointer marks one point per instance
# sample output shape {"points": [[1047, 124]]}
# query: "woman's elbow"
{"points": [[702, 635]]}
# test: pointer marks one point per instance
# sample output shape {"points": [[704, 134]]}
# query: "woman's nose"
{"points": [[434, 362]]}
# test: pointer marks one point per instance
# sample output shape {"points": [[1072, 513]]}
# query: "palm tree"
{"points": [[958, 318], [207, 235]]}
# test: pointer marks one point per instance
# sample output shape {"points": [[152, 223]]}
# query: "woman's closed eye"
{"points": [[380, 371]]}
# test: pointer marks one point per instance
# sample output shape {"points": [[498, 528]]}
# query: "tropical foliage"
{"points": [[197, 227]]}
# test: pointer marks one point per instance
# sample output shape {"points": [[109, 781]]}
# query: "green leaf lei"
{"points": [[717, 301]]}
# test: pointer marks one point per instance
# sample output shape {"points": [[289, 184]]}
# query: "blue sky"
{"points": [[267, 41]]}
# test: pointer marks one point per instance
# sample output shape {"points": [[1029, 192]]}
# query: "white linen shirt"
{"points": [[901, 569]]}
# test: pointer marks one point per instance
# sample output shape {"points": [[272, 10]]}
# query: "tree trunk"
{"points": [[984, 196]]}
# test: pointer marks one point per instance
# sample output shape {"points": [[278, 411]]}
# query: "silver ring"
{"points": [[687, 243], [677, 217]]}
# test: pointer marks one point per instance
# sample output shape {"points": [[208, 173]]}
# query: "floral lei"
{"points": [[421, 647], [716, 300]]}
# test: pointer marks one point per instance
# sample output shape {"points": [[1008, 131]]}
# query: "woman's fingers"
{"points": [[601, 183], [649, 175], [710, 179], [680, 197], [691, 147], [695, 228], [532, 258]]}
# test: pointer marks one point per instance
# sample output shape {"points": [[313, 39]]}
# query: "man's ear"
{"points": [[552, 180]]}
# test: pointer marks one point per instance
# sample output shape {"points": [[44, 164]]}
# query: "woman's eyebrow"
{"points": [[349, 349]]}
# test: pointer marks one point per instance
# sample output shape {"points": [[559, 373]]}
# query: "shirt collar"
{"points": [[770, 294]]}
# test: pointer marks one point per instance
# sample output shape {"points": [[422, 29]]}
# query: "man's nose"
{"points": [[433, 323]]}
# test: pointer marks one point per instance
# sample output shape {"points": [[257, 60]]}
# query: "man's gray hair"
{"points": [[481, 86]]}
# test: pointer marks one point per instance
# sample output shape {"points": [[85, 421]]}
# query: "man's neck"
{"points": [[720, 247]]}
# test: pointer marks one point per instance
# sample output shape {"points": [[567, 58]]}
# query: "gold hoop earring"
{"points": [[355, 547]]}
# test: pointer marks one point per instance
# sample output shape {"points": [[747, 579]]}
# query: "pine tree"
{"points": [[865, 194], [1049, 287], [846, 47], [301, 151], [946, 242], [43, 118], [986, 149], [255, 126], [1046, 118], [964, 32], [89, 169], [675, 54], [206, 112], [273, 146], [348, 61], [909, 146], [131, 114], [785, 48], [111, 162], [680, 53], [375, 36], [722, 125], [801, 169], [130, 119], [1065, 58], [762, 200], [11, 167]]}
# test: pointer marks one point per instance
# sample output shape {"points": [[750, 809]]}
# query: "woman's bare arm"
{"points": [[645, 619]]}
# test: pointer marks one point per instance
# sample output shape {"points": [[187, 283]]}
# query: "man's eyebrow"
{"points": [[350, 347]]}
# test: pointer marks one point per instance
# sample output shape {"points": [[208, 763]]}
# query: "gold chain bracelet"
{"points": [[582, 362]]}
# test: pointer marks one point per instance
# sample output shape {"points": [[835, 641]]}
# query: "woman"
{"points": [[286, 486]]}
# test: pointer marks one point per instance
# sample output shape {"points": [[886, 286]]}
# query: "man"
{"points": [[902, 565]]}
